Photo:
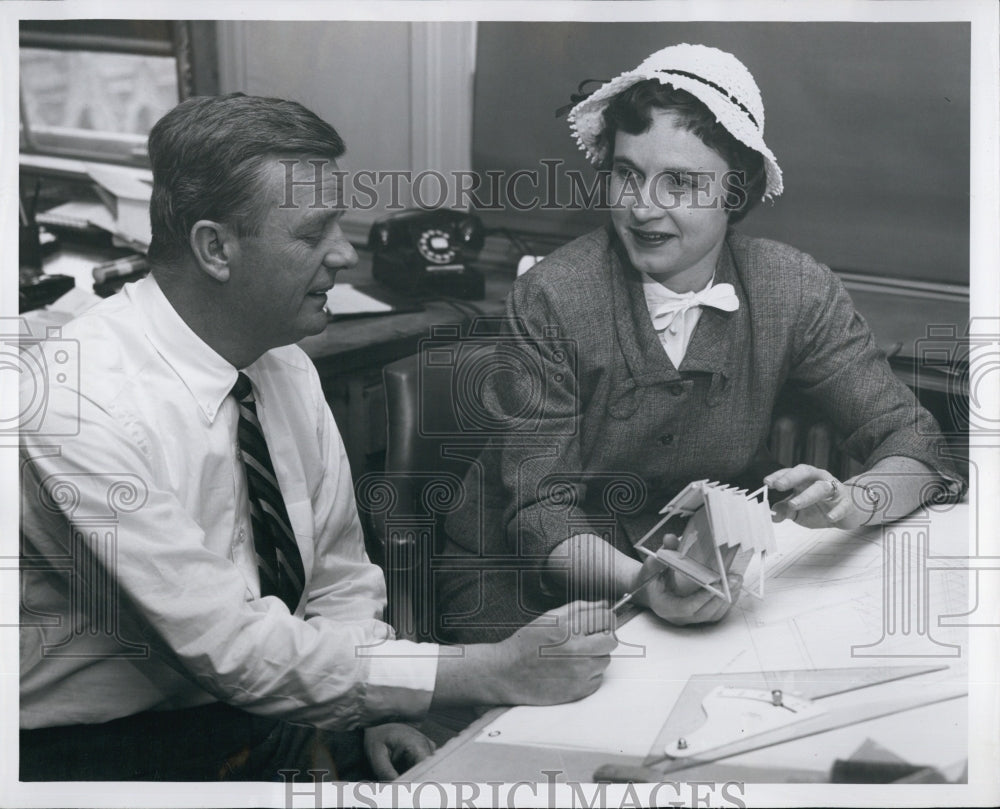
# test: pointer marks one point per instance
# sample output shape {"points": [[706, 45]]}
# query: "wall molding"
{"points": [[232, 41], [442, 62], [904, 286], [442, 68]]}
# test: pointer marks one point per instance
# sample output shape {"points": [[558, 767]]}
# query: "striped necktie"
{"points": [[278, 557]]}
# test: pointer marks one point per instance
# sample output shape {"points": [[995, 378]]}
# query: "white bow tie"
{"points": [[720, 296]]}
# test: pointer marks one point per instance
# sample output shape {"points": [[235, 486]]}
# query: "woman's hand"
{"points": [[818, 499], [676, 598], [394, 747]]}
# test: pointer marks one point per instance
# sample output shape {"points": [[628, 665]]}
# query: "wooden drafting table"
{"points": [[834, 599]]}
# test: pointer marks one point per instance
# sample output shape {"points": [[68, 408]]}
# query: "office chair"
{"points": [[427, 457], [425, 463]]}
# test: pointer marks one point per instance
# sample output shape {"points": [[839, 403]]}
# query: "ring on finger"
{"points": [[834, 489]]}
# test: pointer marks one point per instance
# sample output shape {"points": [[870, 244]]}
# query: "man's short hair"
{"points": [[207, 154]]}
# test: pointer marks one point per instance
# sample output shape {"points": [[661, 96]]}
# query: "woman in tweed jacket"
{"points": [[650, 353]]}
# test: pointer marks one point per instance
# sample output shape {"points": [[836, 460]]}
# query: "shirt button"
{"points": [[666, 440], [242, 537], [677, 389]]}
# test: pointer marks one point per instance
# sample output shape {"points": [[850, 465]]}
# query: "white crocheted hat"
{"points": [[716, 78]]}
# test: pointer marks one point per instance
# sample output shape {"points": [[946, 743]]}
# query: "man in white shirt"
{"points": [[174, 619]]}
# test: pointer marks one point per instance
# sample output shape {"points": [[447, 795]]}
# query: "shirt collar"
{"points": [[207, 376]]}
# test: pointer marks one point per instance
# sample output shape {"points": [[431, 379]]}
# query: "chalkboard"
{"points": [[869, 122]]}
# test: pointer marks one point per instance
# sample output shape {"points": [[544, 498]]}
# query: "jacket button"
{"points": [[677, 389], [666, 440]]}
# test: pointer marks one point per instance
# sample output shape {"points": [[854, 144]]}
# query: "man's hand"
{"points": [[559, 657], [395, 747]]}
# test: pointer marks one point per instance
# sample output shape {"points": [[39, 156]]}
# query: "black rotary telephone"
{"points": [[424, 253]]}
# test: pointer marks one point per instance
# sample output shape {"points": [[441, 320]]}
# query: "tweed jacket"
{"points": [[605, 430]]}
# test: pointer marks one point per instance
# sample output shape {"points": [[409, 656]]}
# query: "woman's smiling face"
{"points": [[667, 194]]}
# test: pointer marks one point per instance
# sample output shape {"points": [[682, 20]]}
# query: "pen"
{"points": [[621, 602], [629, 595]]}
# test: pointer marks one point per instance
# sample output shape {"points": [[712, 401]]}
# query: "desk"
{"points": [[826, 606]]}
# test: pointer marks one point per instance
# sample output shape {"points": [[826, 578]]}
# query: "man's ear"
{"points": [[212, 244]]}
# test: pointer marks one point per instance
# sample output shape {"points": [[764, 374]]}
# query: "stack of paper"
{"points": [[127, 198]]}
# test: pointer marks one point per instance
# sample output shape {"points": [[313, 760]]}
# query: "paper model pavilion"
{"points": [[726, 526]]}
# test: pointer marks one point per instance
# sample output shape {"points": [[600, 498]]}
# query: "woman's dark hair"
{"points": [[208, 154], [631, 111]]}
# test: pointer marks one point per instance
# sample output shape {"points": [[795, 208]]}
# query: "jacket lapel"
{"points": [[647, 362], [716, 338]]}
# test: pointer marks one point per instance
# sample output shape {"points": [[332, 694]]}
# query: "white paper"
{"points": [[345, 299], [824, 598]]}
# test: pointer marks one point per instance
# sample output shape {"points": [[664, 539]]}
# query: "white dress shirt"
{"points": [[140, 589]]}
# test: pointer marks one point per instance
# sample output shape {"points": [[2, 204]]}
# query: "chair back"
{"points": [[799, 434], [425, 464]]}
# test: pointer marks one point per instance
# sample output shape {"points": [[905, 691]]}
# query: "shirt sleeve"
{"points": [[192, 604], [346, 587], [838, 365]]}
